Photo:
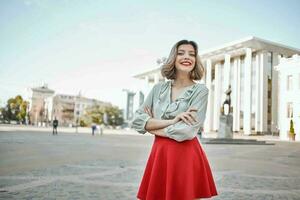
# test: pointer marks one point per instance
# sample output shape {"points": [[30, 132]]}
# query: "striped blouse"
{"points": [[159, 100]]}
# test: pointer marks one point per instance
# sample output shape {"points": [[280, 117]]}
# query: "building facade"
{"points": [[38, 104], [289, 93], [68, 109], [129, 109], [63, 109], [247, 65], [45, 106]]}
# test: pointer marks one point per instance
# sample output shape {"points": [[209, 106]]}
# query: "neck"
{"points": [[183, 80]]}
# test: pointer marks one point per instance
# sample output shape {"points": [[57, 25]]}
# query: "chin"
{"points": [[185, 70]]}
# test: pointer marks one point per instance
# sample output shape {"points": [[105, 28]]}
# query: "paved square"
{"points": [[37, 165]]}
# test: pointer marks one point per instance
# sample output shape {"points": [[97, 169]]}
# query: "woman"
{"points": [[174, 111]]}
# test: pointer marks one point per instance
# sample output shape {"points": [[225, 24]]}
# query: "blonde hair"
{"points": [[168, 69]]}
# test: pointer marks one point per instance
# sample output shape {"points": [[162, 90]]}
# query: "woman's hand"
{"points": [[148, 111], [187, 117]]}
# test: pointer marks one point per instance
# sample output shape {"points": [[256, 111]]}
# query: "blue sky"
{"points": [[97, 46]]}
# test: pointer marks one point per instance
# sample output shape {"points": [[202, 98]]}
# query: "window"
{"points": [[289, 82], [290, 110]]}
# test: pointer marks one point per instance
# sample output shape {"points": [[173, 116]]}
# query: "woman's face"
{"points": [[186, 58]]}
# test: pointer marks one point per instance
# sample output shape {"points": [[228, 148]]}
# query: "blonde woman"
{"points": [[174, 111]]}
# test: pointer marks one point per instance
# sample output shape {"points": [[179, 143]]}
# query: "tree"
{"points": [[95, 114], [15, 109], [115, 117]]}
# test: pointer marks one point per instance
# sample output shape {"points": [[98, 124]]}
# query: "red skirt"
{"points": [[176, 171]]}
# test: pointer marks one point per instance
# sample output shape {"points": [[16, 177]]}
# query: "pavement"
{"points": [[34, 164]]}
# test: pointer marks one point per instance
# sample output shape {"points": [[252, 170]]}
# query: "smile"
{"points": [[186, 63]]}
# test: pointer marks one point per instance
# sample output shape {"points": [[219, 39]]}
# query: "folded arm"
{"points": [[185, 126], [181, 130], [143, 120]]}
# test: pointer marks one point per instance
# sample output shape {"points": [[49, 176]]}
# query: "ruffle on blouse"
{"points": [[171, 107]]}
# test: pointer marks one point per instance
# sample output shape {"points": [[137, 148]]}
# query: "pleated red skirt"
{"points": [[176, 171]]}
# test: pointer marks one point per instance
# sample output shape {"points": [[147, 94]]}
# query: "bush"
{"points": [[292, 130], [82, 123]]}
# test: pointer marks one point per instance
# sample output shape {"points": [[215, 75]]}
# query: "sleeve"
{"points": [[141, 117], [181, 131]]}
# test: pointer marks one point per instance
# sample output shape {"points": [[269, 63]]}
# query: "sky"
{"points": [[96, 47]]}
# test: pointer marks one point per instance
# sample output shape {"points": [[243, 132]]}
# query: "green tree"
{"points": [[115, 117], [95, 115], [15, 109]]}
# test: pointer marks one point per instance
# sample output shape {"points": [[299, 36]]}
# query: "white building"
{"points": [[289, 93], [248, 66]]}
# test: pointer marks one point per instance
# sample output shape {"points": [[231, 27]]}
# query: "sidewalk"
{"points": [[81, 130], [87, 130], [37, 165], [241, 136]]}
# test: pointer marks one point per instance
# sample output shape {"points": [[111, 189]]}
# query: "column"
{"points": [[238, 109], [284, 122], [236, 95], [208, 119], [226, 73], [257, 95], [217, 97], [247, 92], [263, 96], [274, 105]]}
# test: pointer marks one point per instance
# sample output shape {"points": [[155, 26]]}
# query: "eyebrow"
{"points": [[184, 51]]}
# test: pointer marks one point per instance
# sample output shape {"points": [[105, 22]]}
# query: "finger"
{"points": [[189, 118], [146, 110], [150, 112], [193, 117], [185, 120]]}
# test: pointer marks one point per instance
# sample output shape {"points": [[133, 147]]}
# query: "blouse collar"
{"points": [[165, 92]]}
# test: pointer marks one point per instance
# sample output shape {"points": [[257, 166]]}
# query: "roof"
{"points": [[236, 48], [43, 89]]}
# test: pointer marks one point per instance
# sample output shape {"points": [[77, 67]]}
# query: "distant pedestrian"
{"points": [[100, 128], [94, 128], [55, 125]]}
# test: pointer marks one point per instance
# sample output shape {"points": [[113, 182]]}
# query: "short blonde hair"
{"points": [[168, 69]]}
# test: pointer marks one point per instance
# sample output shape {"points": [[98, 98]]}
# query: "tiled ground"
{"points": [[37, 165]]}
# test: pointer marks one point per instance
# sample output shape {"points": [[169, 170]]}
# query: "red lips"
{"points": [[186, 63]]}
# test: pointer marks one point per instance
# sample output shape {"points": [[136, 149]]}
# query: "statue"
{"points": [[226, 119], [227, 103]]}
